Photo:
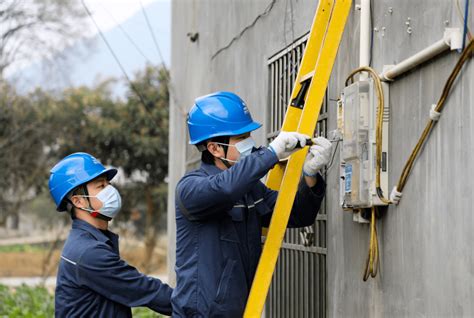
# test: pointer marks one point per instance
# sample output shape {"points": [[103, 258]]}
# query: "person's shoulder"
{"points": [[97, 253], [196, 172], [193, 174], [82, 244], [77, 243]]}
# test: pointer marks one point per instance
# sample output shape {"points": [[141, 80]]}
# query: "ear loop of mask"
{"points": [[90, 209], [86, 194], [225, 146]]}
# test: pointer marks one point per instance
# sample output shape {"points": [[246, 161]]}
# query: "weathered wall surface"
{"points": [[427, 263]]}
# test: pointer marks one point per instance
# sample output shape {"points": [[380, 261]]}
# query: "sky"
{"points": [[108, 13], [96, 63]]}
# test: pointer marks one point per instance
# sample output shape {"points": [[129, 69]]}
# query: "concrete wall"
{"points": [[427, 263]]}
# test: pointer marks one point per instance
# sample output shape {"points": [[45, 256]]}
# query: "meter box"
{"points": [[357, 114]]}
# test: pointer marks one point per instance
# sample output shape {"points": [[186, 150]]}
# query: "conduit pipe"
{"points": [[365, 31], [452, 39]]}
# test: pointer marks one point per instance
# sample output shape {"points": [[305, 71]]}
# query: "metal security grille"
{"points": [[299, 284]]}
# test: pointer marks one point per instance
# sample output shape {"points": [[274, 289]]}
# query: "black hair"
{"points": [[79, 190], [206, 156]]}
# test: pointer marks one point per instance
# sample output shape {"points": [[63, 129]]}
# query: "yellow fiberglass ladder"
{"points": [[301, 116]]}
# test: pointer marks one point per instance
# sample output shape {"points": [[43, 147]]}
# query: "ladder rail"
{"points": [[307, 66], [307, 123]]}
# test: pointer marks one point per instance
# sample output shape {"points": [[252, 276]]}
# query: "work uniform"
{"points": [[93, 281], [219, 216]]}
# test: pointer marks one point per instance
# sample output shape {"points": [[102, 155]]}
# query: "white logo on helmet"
{"points": [[246, 110]]}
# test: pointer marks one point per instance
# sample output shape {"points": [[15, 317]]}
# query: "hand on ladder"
{"points": [[287, 143]]}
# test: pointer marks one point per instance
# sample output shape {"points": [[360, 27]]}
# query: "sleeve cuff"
{"points": [[268, 153], [320, 188]]}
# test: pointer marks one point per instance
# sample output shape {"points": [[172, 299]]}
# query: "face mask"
{"points": [[111, 201], [244, 147]]}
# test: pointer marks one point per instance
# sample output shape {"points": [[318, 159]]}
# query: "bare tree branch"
{"points": [[48, 25]]}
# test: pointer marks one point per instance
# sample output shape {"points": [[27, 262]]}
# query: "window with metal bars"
{"points": [[299, 283]]}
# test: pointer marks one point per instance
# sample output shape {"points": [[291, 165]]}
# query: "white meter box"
{"points": [[358, 164]]}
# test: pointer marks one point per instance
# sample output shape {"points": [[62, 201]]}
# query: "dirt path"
{"points": [[31, 263], [36, 239]]}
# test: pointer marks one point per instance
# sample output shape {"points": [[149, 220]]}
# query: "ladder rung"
{"points": [[331, 16], [306, 76]]}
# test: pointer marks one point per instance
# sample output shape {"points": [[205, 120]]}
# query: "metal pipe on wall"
{"points": [[365, 30], [452, 39]]}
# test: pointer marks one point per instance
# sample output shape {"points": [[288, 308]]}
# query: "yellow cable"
{"points": [[466, 54], [372, 264], [379, 125], [373, 254]]}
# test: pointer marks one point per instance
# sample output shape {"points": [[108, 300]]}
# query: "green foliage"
{"points": [[37, 302], [40, 207], [23, 248], [24, 135], [26, 302], [37, 130], [125, 134], [143, 312]]}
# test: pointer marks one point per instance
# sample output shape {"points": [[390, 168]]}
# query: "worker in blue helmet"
{"points": [[222, 206], [93, 281]]}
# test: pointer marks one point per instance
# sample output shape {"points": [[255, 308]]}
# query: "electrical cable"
{"points": [[154, 38], [132, 85], [379, 125], [466, 17], [461, 16], [371, 33], [466, 54], [129, 38], [163, 65], [372, 263], [373, 254], [333, 155]]}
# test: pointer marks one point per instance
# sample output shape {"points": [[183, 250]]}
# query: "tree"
{"points": [[39, 129], [23, 141], [37, 28], [146, 138], [129, 135]]}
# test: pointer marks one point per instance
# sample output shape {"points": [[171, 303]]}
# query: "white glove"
{"points": [[285, 143], [318, 156], [395, 196]]}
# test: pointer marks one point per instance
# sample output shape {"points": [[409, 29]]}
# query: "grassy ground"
{"points": [[37, 302], [25, 260], [26, 301]]}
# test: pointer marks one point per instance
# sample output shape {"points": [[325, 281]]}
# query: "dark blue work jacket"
{"points": [[94, 282], [219, 216]]}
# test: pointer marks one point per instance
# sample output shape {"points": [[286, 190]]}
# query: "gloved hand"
{"points": [[285, 143], [395, 196], [318, 156]]}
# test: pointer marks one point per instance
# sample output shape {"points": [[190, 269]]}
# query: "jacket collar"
{"points": [[95, 232], [210, 169]]}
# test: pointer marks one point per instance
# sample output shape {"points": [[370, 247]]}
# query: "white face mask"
{"points": [[111, 201], [244, 147]]}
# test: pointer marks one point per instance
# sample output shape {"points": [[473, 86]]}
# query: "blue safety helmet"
{"points": [[73, 171], [219, 114]]}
